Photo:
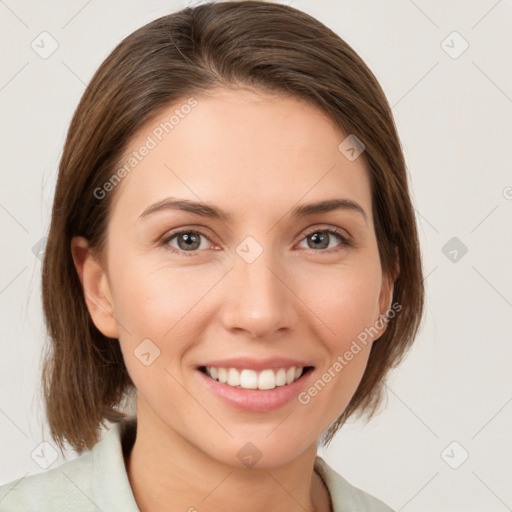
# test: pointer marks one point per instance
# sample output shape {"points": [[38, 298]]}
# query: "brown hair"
{"points": [[252, 43]]}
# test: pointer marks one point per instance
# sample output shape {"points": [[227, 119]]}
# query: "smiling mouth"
{"points": [[251, 379]]}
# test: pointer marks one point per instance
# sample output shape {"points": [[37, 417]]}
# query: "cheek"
{"points": [[348, 306], [160, 311], [345, 300], [151, 299]]}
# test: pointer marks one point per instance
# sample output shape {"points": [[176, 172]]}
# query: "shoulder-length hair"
{"points": [[267, 47]]}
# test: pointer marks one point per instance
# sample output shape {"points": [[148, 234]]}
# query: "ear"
{"points": [[386, 292], [95, 285]]}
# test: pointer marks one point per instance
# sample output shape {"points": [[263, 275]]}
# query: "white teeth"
{"points": [[280, 377], [267, 380], [223, 375], [250, 379], [233, 377]]}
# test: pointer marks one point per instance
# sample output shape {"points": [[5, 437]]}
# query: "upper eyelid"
{"points": [[326, 227]]}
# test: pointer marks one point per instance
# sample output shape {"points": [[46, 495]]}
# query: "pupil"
{"points": [[189, 239], [319, 238]]}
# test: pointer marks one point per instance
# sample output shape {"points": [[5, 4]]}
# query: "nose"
{"points": [[259, 299]]}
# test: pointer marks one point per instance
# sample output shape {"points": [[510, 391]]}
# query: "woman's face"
{"points": [[263, 286]]}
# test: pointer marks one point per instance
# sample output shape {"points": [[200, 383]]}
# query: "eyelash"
{"points": [[344, 239]]}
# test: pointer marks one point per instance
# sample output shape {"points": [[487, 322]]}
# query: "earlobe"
{"points": [[95, 286]]}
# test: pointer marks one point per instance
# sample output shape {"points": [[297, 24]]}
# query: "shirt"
{"points": [[97, 481]]}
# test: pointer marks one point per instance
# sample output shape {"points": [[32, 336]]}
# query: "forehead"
{"points": [[241, 149]]}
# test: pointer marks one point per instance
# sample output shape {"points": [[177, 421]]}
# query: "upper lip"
{"points": [[256, 364]]}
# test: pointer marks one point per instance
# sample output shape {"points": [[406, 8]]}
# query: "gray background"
{"points": [[453, 114]]}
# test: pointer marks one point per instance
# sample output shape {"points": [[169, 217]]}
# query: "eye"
{"points": [[187, 241], [322, 238]]}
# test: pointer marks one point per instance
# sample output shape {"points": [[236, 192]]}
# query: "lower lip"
{"points": [[255, 400]]}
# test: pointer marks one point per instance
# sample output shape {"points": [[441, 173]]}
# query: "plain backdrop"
{"points": [[443, 440]]}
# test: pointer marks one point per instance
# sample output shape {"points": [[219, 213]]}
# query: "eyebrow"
{"points": [[208, 210]]}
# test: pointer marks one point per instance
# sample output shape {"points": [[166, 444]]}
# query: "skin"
{"points": [[255, 155]]}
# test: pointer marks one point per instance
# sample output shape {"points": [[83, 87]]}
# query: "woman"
{"points": [[232, 244]]}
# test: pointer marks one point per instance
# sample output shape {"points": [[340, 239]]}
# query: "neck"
{"points": [[169, 474]]}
